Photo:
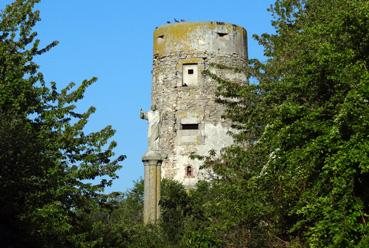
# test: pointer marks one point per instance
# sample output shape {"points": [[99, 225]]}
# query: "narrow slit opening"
{"points": [[222, 34], [160, 37], [190, 126]]}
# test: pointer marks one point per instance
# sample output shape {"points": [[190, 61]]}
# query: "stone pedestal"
{"points": [[152, 161]]}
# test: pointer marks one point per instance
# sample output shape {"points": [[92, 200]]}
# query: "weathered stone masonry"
{"points": [[187, 118]]}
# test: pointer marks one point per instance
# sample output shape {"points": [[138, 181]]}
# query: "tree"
{"points": [[174, 206], [122, 224], [303, 145], [47, 160]]}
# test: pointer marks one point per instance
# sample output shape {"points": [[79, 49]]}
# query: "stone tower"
{"points": [[184, 118]]}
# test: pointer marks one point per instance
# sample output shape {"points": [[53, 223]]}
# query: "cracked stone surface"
{"points": [[184, 99]]}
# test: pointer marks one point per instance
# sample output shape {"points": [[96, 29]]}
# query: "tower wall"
{"points": [[190, 119]]}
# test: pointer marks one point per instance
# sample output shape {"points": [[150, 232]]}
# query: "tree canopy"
{"points": [[298, 173], [47, 160]]}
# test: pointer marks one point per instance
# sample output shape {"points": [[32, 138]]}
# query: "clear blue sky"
{"points": [[112, 40]]}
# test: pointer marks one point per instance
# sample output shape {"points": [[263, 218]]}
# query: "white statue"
{"points": [[153, 133]]}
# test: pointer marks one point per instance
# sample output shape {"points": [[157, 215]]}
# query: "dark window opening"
{"points": [[190, 71], [189, 171], [222, 34], [190, 126], [161, 37]]}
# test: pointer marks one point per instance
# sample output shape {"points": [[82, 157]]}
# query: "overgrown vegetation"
{"points": [[297, 175], [47, 160]]}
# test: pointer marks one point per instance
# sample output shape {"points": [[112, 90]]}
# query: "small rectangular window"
{"points": [[190, 126], [190, 75], [189, 171]]}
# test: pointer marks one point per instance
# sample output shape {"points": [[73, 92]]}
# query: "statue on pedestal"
{"points": [[153, 118]]}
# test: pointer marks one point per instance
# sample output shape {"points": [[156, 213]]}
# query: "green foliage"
{"points": [[122, 225], [47, 160], [174, 204], [298, 172]]}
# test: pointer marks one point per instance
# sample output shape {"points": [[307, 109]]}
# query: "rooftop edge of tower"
{"points": [[209, 37]]}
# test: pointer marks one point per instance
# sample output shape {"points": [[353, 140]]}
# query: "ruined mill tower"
{"points": [[184, 116]]}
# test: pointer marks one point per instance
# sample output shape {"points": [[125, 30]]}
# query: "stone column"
{"points": [[152, 161]]}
